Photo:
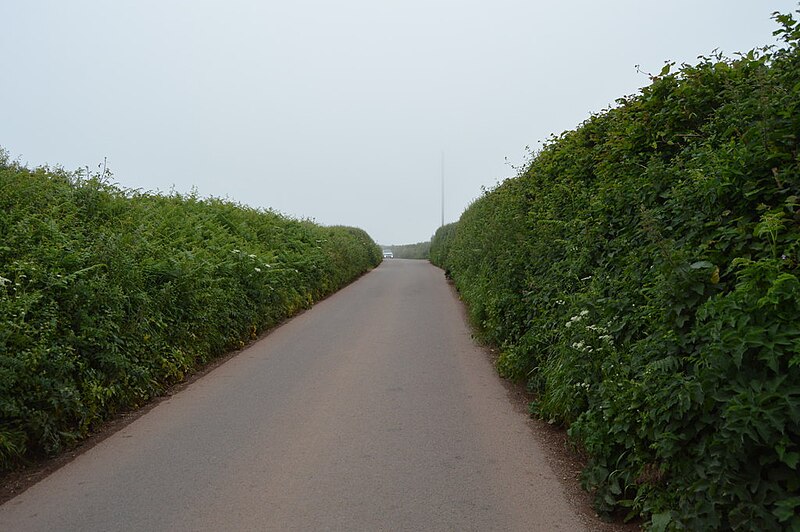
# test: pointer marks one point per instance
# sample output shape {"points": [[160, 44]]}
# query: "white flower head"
{"points": [[257, 269], [236, 251]]}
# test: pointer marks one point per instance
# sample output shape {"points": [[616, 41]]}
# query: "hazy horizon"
{"points": [[339, 113]]}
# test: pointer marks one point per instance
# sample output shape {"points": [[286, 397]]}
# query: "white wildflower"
{"points": [[574, 319], [584, 313], [252, 256], [4, 281], [257, 269], [235, 251]]}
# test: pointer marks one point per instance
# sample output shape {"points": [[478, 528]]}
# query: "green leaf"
{"points": [[660, 521], [786, 509], [701, 264]]}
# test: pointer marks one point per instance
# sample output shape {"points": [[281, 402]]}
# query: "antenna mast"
{"points": [[442, 188]]}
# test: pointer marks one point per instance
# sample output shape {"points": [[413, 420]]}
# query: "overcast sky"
{"points": [[334, 111]]}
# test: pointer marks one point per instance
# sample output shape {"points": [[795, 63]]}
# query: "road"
{"points": [[374, 410]]}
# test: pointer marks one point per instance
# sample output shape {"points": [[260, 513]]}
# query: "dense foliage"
{"points": [[108, 296], [420, 250], [441, 243], [643, 275]]}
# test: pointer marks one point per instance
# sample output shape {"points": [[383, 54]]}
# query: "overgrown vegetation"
{"points": [[441, 243], [642, 275], [108, 296], [420, 250]]}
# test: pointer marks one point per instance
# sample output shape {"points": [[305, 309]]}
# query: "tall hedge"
{"points": [[643, 276], [107, 296], [440, 244]]}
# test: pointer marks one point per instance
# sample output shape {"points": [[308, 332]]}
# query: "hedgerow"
{"points": [[642, 275], [107, 296], [441, 242], [418, 251]]}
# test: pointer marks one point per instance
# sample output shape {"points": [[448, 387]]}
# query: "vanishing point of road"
{"points": [[374, 410]]}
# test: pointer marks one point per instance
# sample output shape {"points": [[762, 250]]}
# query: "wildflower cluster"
{"points": [[601, 333], [252, 257], [577, 318]]}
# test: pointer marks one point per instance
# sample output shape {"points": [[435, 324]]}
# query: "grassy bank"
{"points": [[107, 296]]}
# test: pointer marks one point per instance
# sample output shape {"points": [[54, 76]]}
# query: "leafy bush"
{"points": [[642, 276], [440, 244], [108, 296]]}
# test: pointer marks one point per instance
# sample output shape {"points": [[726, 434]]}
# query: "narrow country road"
{"points": [[372, 411]]}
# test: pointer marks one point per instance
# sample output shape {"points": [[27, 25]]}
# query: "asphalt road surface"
{"points": [[372, 411]]}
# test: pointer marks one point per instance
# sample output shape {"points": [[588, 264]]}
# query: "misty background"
{"points": [[335, 111]]}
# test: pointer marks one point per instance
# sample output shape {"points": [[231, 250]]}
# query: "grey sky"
{"points": [[335, 111]]}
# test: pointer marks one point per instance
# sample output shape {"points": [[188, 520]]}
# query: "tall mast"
{"points": [[442, 188]]}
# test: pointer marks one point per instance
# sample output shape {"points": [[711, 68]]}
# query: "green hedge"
{"points": [[642, 274], [441, 243], [107, 296], [419, 251]]}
